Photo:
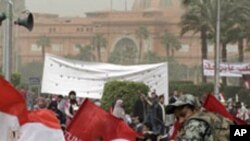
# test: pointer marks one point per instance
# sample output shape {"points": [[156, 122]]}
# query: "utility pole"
{"points": [[111, 5], [7, 49], [126, 9], [217, 53]]}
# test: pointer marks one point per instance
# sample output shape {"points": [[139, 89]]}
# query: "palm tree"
{"points": [[142, 34], [43, 42], [171, 43], [198, 18], [98, 42], [85, 53]]}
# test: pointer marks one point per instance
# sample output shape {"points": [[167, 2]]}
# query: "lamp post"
{"points": [[217, 52], [7, 48]]}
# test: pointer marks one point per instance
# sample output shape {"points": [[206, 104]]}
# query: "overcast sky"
{"points": [[74, 7]]}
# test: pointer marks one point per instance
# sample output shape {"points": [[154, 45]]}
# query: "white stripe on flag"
{"points": [[40, 132], [9, 126]]}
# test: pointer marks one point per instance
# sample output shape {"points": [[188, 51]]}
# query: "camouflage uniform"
{"points": [[195, 130]]}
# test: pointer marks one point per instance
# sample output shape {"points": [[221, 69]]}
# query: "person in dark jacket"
{"points": [[139, 108]]}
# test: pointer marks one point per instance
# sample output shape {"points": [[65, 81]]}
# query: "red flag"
{"points": [[12, 102], [87, 124], [118, 129], [213, 105], [92, 123]]}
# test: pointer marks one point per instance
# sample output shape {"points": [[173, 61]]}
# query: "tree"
{"points": [[43, 42], [201, 16], [85, 53], [142, 34], [171, 43], [16, 79], [99, 42], [198, 18], [126, 90], [125, 52]]}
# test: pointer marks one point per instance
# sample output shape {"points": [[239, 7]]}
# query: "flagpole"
{"points": [[217, 53]]}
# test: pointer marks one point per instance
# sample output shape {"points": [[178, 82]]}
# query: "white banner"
{"points": [[226, 69], [87, 79]]}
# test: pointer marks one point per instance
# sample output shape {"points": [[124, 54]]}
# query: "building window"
{"points": [[184, 48], [56, 47], [166, 3], [35, 48], [147, 3], [52, 29]]}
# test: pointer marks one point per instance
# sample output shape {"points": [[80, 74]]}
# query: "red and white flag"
{"points": [[17, 124], [13, 111], [42, 126], [93, 123]]}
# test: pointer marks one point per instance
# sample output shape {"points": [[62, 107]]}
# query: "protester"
{"points": [[242, 111], [159, 118], [197, 124], [139, 108], [71, 106], [60, 103], [119, 111], [151, 103], [41, 103], [148, 134], [59, 114]]}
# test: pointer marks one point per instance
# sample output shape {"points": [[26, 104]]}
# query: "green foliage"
{"points": [[142, 33], [151, 57], [171, 43], [125, 90], [43, 42], [35, 89], [98, 42], [16, 79], [125, 52], [85, 53]]}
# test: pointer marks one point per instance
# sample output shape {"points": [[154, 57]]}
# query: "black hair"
{"points": [[72, 93], [148, 125]]}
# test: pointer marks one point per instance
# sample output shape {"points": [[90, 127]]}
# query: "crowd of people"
{"points": [[183, 118]]}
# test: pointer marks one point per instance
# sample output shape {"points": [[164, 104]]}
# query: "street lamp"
{"points": [[217, 53], [7, 48]]}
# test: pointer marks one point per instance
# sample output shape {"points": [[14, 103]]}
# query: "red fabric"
{"points": [[87, 124], [46, 117], [213, 105], [12, 102], [177, 127], [117, 128], [91, 123]]}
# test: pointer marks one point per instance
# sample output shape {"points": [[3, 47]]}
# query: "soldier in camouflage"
{"points": [[193, 129]]}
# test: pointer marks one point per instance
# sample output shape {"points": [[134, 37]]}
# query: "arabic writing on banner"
{"points": [[226, 69]]}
